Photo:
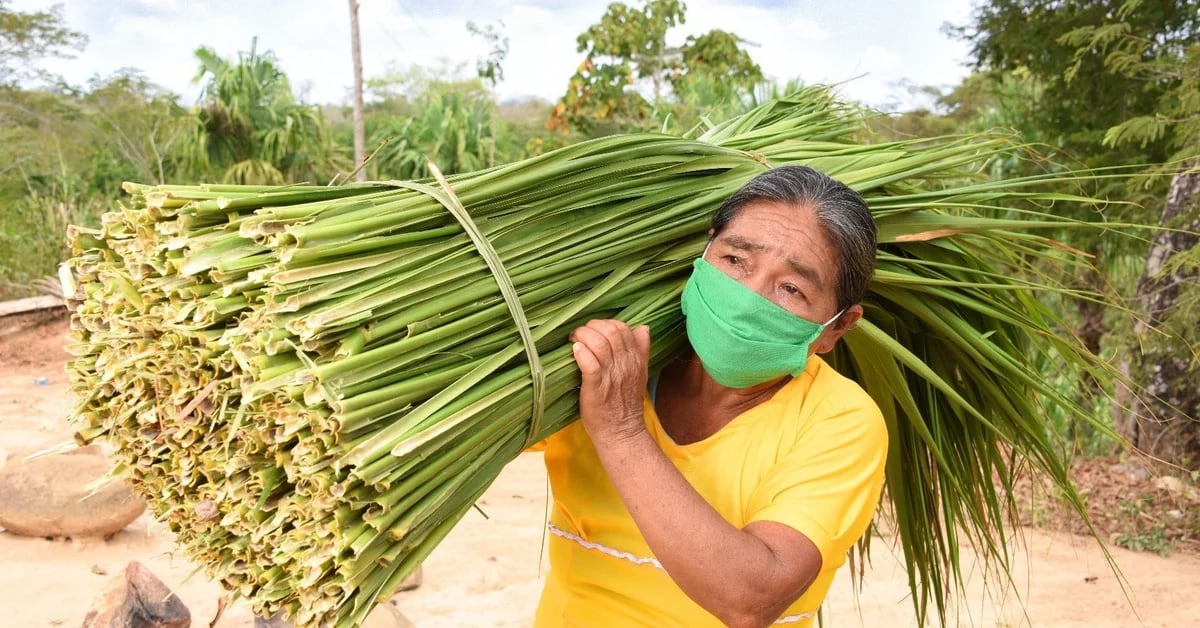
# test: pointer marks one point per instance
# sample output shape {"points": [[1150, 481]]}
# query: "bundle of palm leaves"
{"points": [[312, 384]]}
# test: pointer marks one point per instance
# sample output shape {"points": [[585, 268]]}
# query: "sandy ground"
{"points": [[488, 572]]}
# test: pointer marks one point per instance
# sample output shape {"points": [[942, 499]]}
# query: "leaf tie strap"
{"points": [[449, 200]]}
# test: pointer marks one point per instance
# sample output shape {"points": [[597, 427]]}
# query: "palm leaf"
{"points": [[360, 367]]}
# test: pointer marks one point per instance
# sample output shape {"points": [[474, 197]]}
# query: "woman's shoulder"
{"points": [[823, 396], [821, 385]]}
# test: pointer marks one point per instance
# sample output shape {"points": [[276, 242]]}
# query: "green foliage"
{"points": [[1073, 98], [702, 99], [490, 68], [1085, 89], [139, 126], [627, 50], [1173, 60], [1142, 535], [64, 151], [716, 55], [251, 128], [1117, 83], [635, 39], [457, 130], [26, 38], [33, 227], [983, 101]]}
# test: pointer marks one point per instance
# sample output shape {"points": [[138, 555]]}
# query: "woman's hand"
{"points": [[614, 360]]}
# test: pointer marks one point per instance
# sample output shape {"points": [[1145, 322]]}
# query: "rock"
{"points": [[1169, 483], [46, 496], [135, 598], [275, 621], [1134, 472]]}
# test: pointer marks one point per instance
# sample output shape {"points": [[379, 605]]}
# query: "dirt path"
{"points": [[488, 574]]}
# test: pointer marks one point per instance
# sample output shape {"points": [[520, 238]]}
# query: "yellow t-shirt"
{"points": [[811, 457]]}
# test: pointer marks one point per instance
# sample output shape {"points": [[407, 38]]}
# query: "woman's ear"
{"points": [[828, 339]]}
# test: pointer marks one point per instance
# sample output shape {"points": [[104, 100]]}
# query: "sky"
{"points": [[871, 48]]}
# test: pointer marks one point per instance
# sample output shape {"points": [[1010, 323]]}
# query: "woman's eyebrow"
{"points": [[740, 243], [808, 272]]}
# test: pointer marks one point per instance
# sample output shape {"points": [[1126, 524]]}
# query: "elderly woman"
{"points": [[728, 488]]}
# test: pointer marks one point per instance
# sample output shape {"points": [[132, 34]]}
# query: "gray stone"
{"points": [[1133, 471], [136, 598], [49, 496], [1170, 484]]}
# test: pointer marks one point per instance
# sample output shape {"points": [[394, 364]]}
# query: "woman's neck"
{"points": [[696, 406]]}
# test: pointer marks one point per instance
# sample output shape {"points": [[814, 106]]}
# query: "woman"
{"points": [[731, 493]]}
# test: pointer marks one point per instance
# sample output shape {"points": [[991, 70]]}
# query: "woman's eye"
{"points": [[792, 290]]}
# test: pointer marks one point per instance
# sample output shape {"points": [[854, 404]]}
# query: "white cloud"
{"points": [[815, 42], [158, 4], [879, 59], [529, 16], [808, 29]]}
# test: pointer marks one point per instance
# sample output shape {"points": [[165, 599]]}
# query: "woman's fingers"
{"points": [[612, 361], [641, 337], [612, 346], [588, 364], [596, 342], [614, 332]]}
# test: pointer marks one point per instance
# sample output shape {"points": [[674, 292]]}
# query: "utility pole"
{"points": [[360, 141]]}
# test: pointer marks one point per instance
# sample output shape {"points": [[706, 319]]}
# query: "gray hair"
{"points": [[842, 213]]}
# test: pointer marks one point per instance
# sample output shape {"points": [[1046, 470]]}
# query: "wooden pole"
{"points": [[360, 142]]}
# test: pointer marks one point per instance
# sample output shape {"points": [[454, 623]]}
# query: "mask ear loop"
{"points": [[835, 317]]}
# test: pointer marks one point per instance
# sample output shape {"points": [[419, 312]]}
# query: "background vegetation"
{"points": [[1088, 83]]}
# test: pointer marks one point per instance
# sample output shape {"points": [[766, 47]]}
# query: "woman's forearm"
{"points": [[733, 573]]}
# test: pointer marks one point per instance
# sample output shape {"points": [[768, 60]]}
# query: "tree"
{"points": [[250, 127], [1169, 64], [1077, 99], [982, 102], [1082, 97], [627, 49], [63, 155], [451, 123], [626, 45], [360, 141], [139, 125], [717, 54], [1164, 420], [1117, 85], [26, 38], [490, 69]]}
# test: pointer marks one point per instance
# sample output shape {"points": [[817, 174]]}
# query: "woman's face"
{"points": [[783, 254]]}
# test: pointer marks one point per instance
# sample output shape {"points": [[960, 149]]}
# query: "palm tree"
{"points": [[457, 129], [250, 128]]}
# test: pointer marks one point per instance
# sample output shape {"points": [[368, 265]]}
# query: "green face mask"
{"points": [[742, 338]]}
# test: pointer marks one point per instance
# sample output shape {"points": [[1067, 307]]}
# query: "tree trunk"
{"points": [[1162, 417], [360, 141]]}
